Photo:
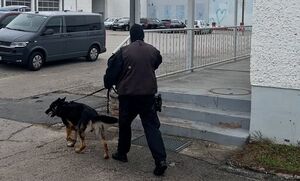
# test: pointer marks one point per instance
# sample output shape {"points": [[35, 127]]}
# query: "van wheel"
{"points": [[93, 53], [36, 60]]}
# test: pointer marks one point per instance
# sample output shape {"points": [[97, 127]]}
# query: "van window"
{"points": [[27, 22], [94, 22], [7, 20], [83, 23], [55, 23]]}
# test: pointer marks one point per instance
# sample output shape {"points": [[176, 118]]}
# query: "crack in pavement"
{"points": [[21, 152], [18, 141], [8, 156], [18, 131], [46, 143]]}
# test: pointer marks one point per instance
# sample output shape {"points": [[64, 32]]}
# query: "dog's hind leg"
{"points": [[103, 140], [82, 141]]}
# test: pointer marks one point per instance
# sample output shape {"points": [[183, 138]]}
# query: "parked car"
{"points": [[173, 23], [121, 24], [109, 22], [151, 23], [15, 8], [6, 17], [34, 38], [204, 27]]}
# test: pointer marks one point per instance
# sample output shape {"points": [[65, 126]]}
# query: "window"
{"points": [[94, 22], [18, 3], [27, 22], [7, 20], [56, 24], [76, 23], [48, 5], [83, 23]]}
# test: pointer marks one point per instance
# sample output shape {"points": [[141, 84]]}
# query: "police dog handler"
{"points": [[132, 70]]}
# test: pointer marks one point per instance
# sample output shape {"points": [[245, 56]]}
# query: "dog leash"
{"points": [[107, 96], [90, 94]]}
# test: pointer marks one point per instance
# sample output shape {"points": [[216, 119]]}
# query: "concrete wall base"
{"points": [[275, 114]]}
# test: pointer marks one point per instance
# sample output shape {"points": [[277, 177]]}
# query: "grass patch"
{"points": [[264, 155]]}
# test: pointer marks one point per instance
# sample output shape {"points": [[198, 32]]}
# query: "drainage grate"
{"points": [[171, 143]]}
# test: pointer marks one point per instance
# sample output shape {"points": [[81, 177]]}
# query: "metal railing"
{"points": [[211, 46]]}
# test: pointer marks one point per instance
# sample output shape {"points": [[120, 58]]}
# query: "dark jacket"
{"points": [[132, 69]]}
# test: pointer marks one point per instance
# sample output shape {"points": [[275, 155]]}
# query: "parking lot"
{"points": [[17, 82]]}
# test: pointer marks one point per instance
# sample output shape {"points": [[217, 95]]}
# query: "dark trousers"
{"points": [[129, 108]]}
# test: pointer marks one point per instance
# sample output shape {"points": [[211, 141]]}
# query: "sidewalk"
{"points": [[37, 152]]}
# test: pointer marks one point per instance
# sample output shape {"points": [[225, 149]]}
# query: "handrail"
{"points": [[211, 46], [122, 44]]}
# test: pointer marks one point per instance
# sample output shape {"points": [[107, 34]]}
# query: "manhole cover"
{"points": [[230, 91], [171, 143]]}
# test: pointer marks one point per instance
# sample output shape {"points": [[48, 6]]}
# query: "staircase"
{"points": [[222, 120]]}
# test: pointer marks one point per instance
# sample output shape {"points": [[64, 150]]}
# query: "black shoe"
{"points": [[119, 157], [160, 168]]}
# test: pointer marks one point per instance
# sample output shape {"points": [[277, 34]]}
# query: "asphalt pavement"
{"points": [[39, 152]]}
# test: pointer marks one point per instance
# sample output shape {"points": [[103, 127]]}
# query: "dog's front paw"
{"points": [[106, 156], [71, 143], [80, 149], [77, 150]]}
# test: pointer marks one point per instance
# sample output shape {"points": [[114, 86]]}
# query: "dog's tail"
{"points": [[107, 119]]}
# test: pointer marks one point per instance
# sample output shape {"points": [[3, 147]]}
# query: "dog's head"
{"points": [[52, 110]]}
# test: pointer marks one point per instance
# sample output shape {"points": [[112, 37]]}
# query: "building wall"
{"points": [[276, 44], [78, 5], [219, 11], [115, 8], [144, 8], [98, 6], [275, 70]]}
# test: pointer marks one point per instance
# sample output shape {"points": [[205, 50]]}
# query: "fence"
{"points": [[211, 46]]}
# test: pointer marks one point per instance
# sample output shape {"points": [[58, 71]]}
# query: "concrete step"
{"points": [[198, 130], [218, 102], [230, 119]]}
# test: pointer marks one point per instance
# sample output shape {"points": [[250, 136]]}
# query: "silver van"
{"points": [[34, 38]]}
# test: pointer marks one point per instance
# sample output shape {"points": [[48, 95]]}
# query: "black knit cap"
{"points": [[136, 33]]}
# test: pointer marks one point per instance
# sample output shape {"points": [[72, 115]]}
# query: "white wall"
{"points": [[70, 5], [118, 8], [275, 70], [98, 6], [143, 8], [84, 5], [276, 44]]}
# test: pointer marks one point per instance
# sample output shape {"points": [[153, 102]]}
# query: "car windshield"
{"points": [[123, 20], [110, 20], [5, 9], [27, 22]]}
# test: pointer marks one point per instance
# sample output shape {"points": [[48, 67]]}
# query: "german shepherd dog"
{"points": [[77, 117]]}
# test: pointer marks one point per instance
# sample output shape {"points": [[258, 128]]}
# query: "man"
{"points": [[132, 70]]}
